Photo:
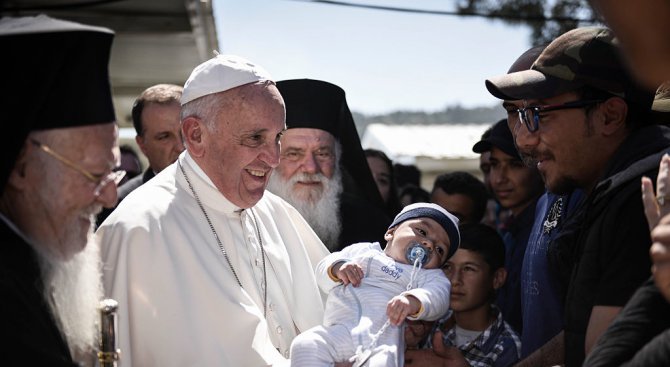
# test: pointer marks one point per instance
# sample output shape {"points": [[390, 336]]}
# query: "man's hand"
{"points": [[440, 356], [653, 209], [660, 256], [399, 307], [658, 218], [416, 332], [349, 273], [451, 355]]}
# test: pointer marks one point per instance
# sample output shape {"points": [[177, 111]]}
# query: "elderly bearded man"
{"points": [[56, 175], [323, 171]]}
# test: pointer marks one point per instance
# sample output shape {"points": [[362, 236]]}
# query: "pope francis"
{"points": [[208, 268]]}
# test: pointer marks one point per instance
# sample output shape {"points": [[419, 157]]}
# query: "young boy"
{"points": [[386, 285], [475, 325]]}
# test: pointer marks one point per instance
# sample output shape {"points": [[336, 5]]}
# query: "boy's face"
{"points": [[425, 231], [472, 282], [514, 184]]}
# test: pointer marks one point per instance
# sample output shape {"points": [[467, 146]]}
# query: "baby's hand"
{"points": [[399, 307], [349, 273]]}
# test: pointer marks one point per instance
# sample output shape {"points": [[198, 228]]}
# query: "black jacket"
{"points": [[639, 336], [606, 243], [28, 335], [361, 221]]}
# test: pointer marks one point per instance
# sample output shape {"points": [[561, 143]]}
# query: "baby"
{"points": [[363, 322]]}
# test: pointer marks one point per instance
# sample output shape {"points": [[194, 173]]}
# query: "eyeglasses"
{"points": [[530, 116], [101, 181]]}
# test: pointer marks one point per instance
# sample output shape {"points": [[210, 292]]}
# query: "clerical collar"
{"points": [[224, 204], [194, 166]]}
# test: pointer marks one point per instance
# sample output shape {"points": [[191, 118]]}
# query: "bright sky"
{"points": [[385, 61]]}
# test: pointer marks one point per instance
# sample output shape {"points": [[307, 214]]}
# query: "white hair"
{"points": [[320, 208], [73, 290]]}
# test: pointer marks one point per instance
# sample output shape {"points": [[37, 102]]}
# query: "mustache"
{"points": [[308, 177], [531, 157], [528, 157], [529, 160]]}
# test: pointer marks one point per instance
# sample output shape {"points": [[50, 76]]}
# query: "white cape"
{"points": [[179, 303]]}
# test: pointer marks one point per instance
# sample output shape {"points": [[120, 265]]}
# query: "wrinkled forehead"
{"points": [[94, 143], [311, 136], [252, 92], [252, 106]]}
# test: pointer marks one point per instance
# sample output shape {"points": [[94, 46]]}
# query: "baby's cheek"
{"points": [[434, 262]]}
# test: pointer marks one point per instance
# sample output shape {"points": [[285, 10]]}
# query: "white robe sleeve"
{"points": [[433, 292], [326, 283]]}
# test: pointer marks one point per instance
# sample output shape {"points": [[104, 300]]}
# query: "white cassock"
{"points": [[179, 302]]}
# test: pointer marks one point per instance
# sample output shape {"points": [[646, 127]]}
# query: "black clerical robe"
{"points": [[28, 335]]}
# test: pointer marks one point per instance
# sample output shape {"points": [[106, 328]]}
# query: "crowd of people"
{"points": [[262, 233]]}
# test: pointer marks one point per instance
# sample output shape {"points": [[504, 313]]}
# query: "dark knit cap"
{"points": [[437, 213]]}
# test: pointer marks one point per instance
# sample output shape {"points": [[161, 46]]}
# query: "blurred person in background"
{"points": [[462, 194], [382, 171], [156, 121]]}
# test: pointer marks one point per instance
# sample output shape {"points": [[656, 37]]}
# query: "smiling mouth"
{"points": [[256, 173], [541, 162]]}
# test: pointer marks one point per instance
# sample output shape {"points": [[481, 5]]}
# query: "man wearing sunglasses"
{"points": [[56, 175], [581, 119]]}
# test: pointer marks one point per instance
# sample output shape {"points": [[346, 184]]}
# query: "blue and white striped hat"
{"points": [[437, 213]]}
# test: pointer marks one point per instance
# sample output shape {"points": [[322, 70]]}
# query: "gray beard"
{"points": [[73, 290], [320, 209]]}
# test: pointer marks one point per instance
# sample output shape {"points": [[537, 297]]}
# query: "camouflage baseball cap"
{"points": [[660, 108], [588, 56], [662, 98]]}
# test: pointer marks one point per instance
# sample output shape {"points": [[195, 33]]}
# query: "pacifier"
{"points": [[417, 251]]}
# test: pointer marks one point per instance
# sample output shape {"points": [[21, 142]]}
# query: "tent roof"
{"points": [[405, 143]]}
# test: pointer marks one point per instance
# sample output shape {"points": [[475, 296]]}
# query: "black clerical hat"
{"points": [[54, 75], [321, 105]]}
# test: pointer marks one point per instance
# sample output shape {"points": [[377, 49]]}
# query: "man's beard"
{"points": [[560, 185], [73, 290], [320, 208]]}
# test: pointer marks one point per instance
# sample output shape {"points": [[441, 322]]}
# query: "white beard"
{"points": [[73, 290], [321, 209]]}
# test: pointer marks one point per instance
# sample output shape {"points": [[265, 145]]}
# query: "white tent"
{"points": [[434, 149]]}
